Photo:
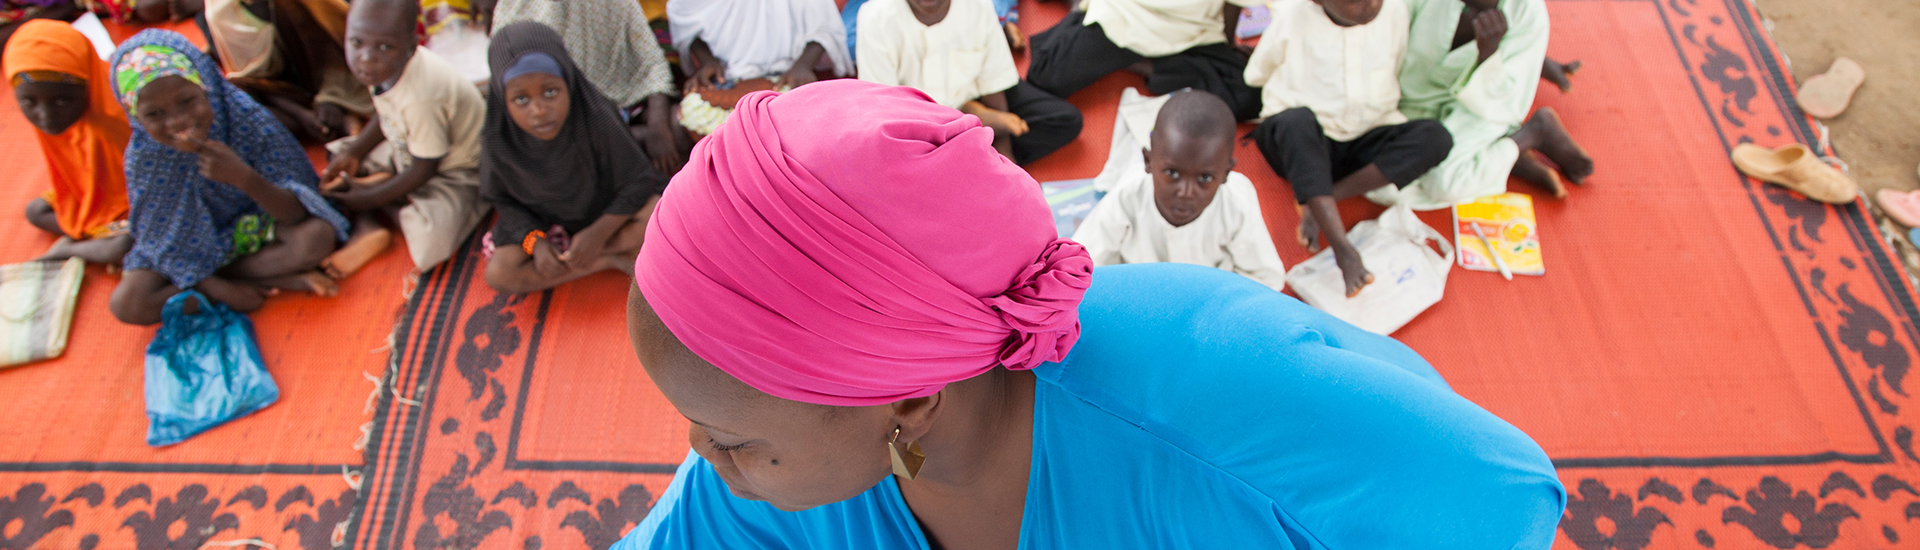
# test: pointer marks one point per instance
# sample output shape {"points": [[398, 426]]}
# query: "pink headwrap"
{"points": [[853, 244]]}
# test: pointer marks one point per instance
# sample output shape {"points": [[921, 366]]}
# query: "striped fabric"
{"points": [[36, 309]]}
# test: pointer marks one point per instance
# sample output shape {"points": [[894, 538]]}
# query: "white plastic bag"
{"points": [[1408, 276]]}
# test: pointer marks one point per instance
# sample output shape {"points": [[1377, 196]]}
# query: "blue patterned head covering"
{"points": [[182, 222]]}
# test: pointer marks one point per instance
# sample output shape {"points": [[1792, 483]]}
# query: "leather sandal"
{"points": [[1827, 94], [1796, 167]]}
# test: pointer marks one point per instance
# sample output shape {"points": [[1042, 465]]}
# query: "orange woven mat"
{"points": [[1711, 362]]}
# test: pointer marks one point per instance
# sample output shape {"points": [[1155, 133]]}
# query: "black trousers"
{"points": [[1071, 56], [1052, 123], [1300, 151]]}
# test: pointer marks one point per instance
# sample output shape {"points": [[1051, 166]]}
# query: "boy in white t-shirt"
{"points": [[1188, 206], [955, 52]]}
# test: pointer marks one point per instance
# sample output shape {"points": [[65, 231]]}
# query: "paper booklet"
{"points": [[1071, 201], [1509, 224]]}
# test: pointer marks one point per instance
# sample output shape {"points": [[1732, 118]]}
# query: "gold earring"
{"points": [[905, 464]]}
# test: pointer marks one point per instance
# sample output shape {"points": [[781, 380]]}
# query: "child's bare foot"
{"points": [[1003, 122], [1309, 231], [358, 252], [106, 250], [1561, 75], [309, 281], [1529, 170], [1016, 40], [1545, 133], [1353, 271], [236, 296]]}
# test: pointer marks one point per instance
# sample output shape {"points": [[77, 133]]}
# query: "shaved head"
{"points": [[394, 11], [1190, 154], [1195, 114]]}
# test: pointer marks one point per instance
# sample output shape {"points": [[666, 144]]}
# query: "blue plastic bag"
{"points": [[202, 370]]}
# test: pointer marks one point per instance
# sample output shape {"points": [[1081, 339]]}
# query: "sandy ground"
{"points": [[1879, 135]]}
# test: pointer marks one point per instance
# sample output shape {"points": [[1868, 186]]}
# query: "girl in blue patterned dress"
{"points": [[222, 199]]}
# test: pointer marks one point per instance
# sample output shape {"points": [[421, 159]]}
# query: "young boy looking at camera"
{"points": [[418, 160], [1189, 206]]}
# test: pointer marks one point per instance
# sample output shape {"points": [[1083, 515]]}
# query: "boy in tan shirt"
{"points": [[425, 137]]}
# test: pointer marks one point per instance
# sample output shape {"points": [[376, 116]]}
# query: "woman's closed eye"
{"points": [[724, 448]]}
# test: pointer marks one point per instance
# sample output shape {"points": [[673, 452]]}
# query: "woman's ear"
{"points": [[916, 416]]}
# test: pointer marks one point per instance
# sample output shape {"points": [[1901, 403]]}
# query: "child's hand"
{"points": [[1488, 29], [355, 196], [707, 77], [585, 250], [798, 76], [219, 163], [346, 164], [546, 262], [659, 147]]}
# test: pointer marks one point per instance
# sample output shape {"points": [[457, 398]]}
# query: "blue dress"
{"points": [[1202, 410], [182, 222]]}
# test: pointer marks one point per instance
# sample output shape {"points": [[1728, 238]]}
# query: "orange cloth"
{"points": [[85, 161]]}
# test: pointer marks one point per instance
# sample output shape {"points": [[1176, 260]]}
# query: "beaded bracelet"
{"points": [[532, 238]]}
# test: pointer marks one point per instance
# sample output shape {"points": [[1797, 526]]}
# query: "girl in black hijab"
{"points": [[572, 188]]}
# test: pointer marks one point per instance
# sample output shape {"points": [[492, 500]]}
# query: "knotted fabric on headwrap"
{"points": [[854, 244]]}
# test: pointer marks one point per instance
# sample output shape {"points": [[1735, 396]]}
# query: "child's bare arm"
{"points": [[361, 199], [348, 161]]}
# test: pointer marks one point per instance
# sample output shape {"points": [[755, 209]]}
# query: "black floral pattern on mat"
{"points": [[609, 519], [490, 335], [189, 507], [326, 527], [35, 521], [1867, 332], [1768, 506], [32, 507], [453, 498], [1631, 527]]}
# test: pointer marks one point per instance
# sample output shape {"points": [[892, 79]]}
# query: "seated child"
{"points": [[66, 91], [1189, 206], [953, 51], [572, 188], [1007, 12], [1333, 128], [418, 163], [223, 200], [17, 13], [1481, 85], [1174, 44], [756, 43], [621, 56], [288, 55]]}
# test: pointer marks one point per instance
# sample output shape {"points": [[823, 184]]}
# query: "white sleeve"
{"points": [[1104, 230], [998, 74], [1251, 249], [878, 57]]}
